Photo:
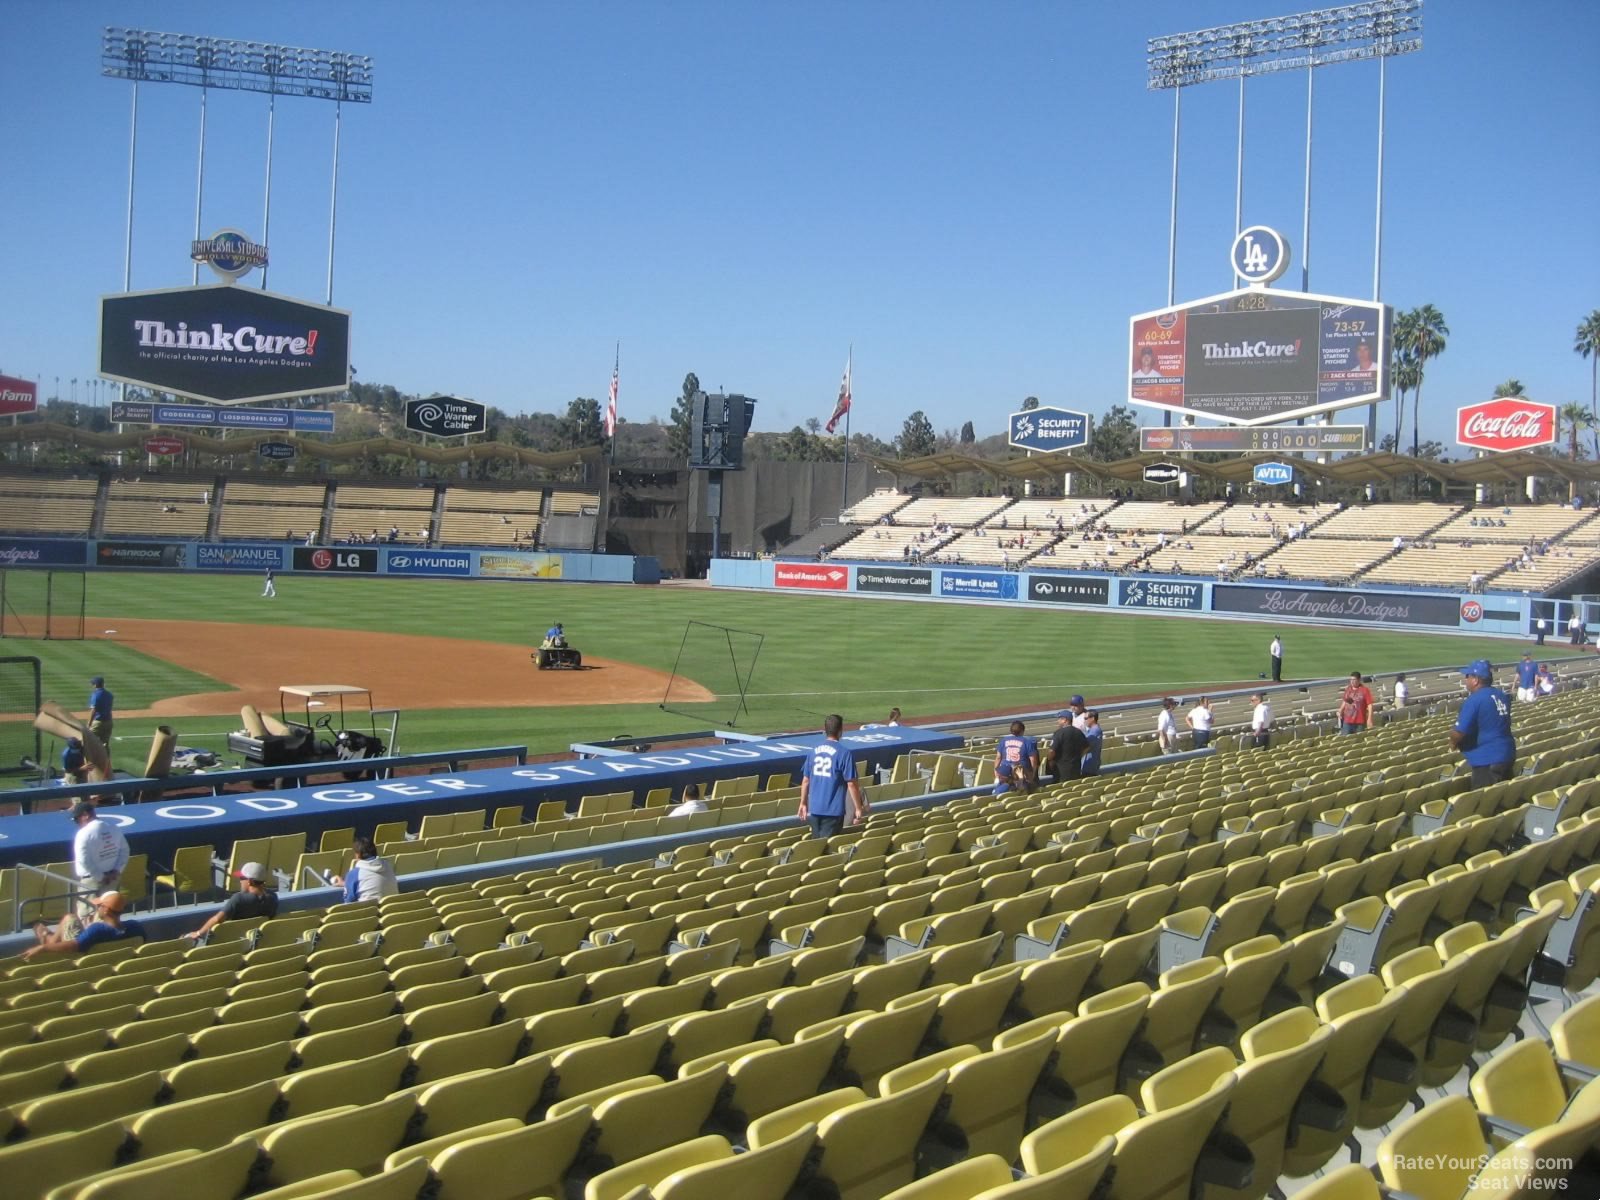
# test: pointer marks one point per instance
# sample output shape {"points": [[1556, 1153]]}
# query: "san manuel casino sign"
{"points": [[224, 344]]}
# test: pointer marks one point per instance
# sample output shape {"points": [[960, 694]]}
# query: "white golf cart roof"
{"points": [[311, 691]]}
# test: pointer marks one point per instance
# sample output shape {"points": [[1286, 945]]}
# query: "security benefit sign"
{"points": [[224, 344], [1253, 356], [1047, 429], [1068, 589], [445, 416], [1161, 593]]}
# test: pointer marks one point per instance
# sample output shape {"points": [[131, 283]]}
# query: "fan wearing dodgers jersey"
{"points": [[828, 781]]}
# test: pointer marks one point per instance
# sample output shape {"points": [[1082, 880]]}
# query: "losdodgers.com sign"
{"points": [[427, 562]]}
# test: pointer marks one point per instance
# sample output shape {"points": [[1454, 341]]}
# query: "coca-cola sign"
{"points": [[1510, 423]]}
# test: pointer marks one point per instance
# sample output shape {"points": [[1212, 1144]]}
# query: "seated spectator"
{"points": [[370, 877], [691, 802], [1004, 779], [68, 938], [251, 901]]}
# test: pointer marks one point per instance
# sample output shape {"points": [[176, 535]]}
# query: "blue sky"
{"points": [[975, 195]]}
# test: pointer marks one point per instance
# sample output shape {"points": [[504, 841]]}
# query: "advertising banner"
{"points": [[446, 416], [337, 560], [1161, 593], [277, 451], [17, 396], [1047, 429], [1162, 473], [1259, 439], [1254, 356], [427, 562], [223, 343], [815, 576], [978, 585], [519, 566], [1509, 423], [154, 555], [898, 581], [1383, 608], [138, 412], [163, 447], [1068, 589], [1272, 473], [229, 557], [43, 552]]}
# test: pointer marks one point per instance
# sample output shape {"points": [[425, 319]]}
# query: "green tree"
{"points": [[916, 436], [1115, 436], [581, 426], [1587, 344], [1031, 403], [682, 418], [1511, 387], [1403, 371], [968, 435], [1428, 333], [1578, 418]]}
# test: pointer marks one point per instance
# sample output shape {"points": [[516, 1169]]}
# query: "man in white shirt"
{"points": [[1402, 691], [99, 853], [1199, 719], [1260, 722], [1167, 728], [1276, 651], [691, 802]]}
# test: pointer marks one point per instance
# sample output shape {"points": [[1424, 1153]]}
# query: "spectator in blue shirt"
{"points": [[370, 877], [1096, 736], [1022, 752], [1483, 727], [72, 762], [100, 711], [107, 926], [1527, 678], [830, 779], [1004, 779]]}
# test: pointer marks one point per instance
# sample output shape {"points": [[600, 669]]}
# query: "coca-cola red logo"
{"points": [[1510, 423], [1471, 610], [322, 559]]}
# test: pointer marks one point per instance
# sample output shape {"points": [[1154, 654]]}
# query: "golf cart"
{"points": [[293, 737]]}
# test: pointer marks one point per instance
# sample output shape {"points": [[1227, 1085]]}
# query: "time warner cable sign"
{"points": [[224, 344]]}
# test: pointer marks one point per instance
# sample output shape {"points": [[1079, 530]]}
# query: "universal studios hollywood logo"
{"points": [[229, 253]]}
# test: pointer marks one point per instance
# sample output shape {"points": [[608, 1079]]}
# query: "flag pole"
{"points": [[844, 476]]}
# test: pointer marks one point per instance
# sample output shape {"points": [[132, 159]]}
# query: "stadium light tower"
{"points": [[142, 56], [1377, 29]]}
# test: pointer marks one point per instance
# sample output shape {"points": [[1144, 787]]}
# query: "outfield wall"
{"points": [[255, 557], [1267, 600]]}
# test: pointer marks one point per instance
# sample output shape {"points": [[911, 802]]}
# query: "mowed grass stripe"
{"points": [[820, 654]]}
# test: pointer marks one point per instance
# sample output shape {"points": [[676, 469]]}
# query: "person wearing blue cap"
{"points": [[100, 711], [1004, 779], [1483, 727]]}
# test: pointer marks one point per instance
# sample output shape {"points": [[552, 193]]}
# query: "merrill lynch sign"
{"points": [[1327, 605]]}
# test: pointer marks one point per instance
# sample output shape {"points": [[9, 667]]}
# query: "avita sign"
{"points": [[1509, 423]]}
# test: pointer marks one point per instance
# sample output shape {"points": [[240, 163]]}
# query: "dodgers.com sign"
{"points": [[1161, 593], [427, 562], [1273, 473], [138, 412], [978, 585], [210, 557], [1047, 429]]}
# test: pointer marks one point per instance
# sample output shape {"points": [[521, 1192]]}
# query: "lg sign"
{"points": [[362, 561], [1510, 423]]}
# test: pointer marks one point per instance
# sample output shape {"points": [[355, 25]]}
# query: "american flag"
{"points": [[843, 406], [611, 404]]}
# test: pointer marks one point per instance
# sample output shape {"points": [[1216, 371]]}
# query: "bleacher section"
{"points": [[1224, 970], [159, 508], [1075, 552], [874, 507], [1385, 522], [33, 504], [1157, 516], [994, 547], [1202, 554], [360, 510], [1441, 564], [1328, 560], [1519, 526], [252, 510], [893, 543], [572, 504], [958, 512], [481, 518]]}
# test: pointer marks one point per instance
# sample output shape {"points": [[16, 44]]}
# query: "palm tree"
{"points": [[1577, 418], [1511, 387], [1402, 369], [1428, 341], [1587, 344]]}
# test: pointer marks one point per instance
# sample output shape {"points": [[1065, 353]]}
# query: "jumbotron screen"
{"points": [[1256, 356]]}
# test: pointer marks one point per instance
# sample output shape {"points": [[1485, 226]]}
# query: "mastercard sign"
{"points": [[1509, 423]]}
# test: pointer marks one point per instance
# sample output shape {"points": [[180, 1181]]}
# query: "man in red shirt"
{"points": [[1355, 706]]}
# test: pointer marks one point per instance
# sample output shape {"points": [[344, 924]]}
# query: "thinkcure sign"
{"points": [[1509, 423]]}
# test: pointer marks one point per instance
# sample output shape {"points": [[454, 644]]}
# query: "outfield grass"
{"points": [[852, 655]]}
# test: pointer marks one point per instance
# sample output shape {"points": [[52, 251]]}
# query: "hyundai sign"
{"points": [[1047, 429], [224, 344], [427, 562], [1273, 473], [1253, 356]]}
